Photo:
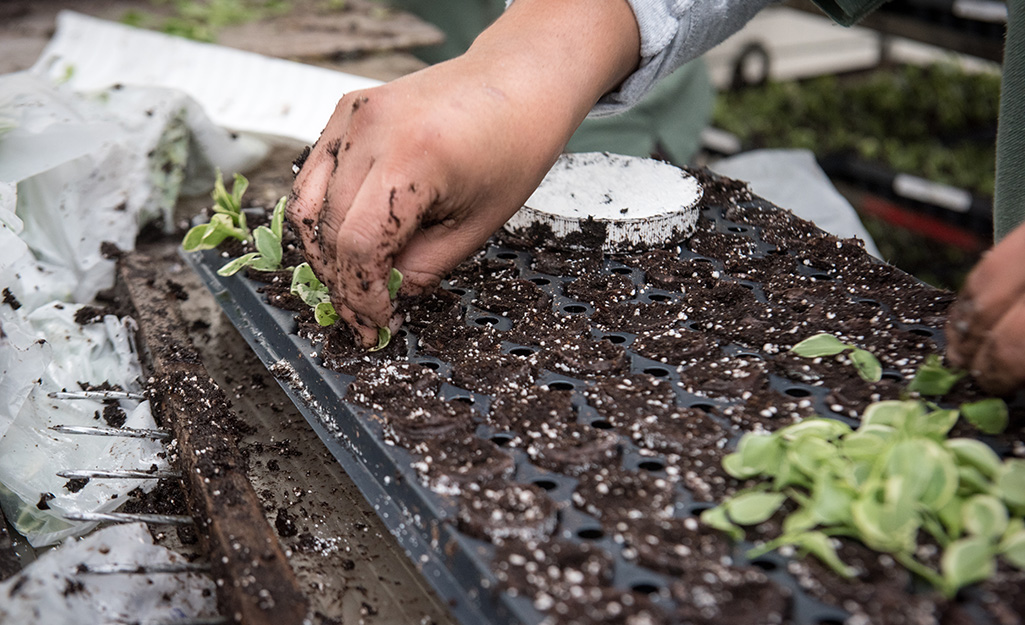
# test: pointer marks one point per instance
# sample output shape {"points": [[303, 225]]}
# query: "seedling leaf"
{"points": [[716, 517], [325, 313], [933, 378], [1012, 548], [232, 267], [984, 516], [383, 338], [819, 345], [1010, 481], [278, 217], [967, 561], [821, 546], [753, 507], [867, 365], [975, 454], [989, 415], [394, 282], [269, 246]]}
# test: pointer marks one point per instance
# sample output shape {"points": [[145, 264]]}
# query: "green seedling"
{"points": [[228, 220], [268, 244], [384, 334], [307, 287], [820, 345], [894, 479]]}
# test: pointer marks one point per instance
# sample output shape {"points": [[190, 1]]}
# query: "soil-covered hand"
{"points": [[986, 330], [418, 173]]}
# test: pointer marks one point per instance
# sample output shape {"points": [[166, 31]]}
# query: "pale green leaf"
{"points": [[194, 239], [821, 546], [325, 314], [984, 515], [1010, 482], [716, 518], [989, 415], [809, 454], [977, 454], [831, 500], [933, 378], [394, 282], [891, 412], [1012, 548], [269, 247], [867, 365], [935, 424], [967, 561], [753, 507], [278, 217], [232, 267], [757, 454], [383, 338], [821, 428], [819, 345]]}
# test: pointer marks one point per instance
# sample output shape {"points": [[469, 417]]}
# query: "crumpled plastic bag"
{"points": [[96, 167], [55, 588], [66, 356]]}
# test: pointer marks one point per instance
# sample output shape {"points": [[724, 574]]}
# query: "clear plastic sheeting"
{"points": [[57, 588], [793, 178], [65, 355]]}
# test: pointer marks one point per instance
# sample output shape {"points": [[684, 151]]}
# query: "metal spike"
{"points": [[88, 474], [101, 395], [95, 430], [143, 569], [125, 517], [197, 620]]}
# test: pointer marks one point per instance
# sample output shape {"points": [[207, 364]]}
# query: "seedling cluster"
{"points": [[892, 483]]}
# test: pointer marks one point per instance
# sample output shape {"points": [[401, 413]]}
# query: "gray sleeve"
{"points": [[672, 33]]}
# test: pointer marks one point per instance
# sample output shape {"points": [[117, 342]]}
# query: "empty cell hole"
{"points": [[921, 332], [502, 439], [616, 339], [546, 484], [623, 271], [737, 229], [658, 297], [540, 281], [486, 321], [561, 386], [871, 302], [651, 465], [521, 351], [703, 407], [892, 376], [591, 533], [828, 621], [430, 364], [765, 565], [574, 309], [464, 399], [457, 291], [696, 325], [820, 276], [645, 589], [749, 287], [797, 391], [658, 372], [401, 334], [507, 255], [601, 424]]}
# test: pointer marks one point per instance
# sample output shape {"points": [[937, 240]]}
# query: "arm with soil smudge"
{"points": [[418, 173]]}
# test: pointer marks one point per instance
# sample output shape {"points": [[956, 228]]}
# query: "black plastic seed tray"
{"points": [[424, 519]]}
